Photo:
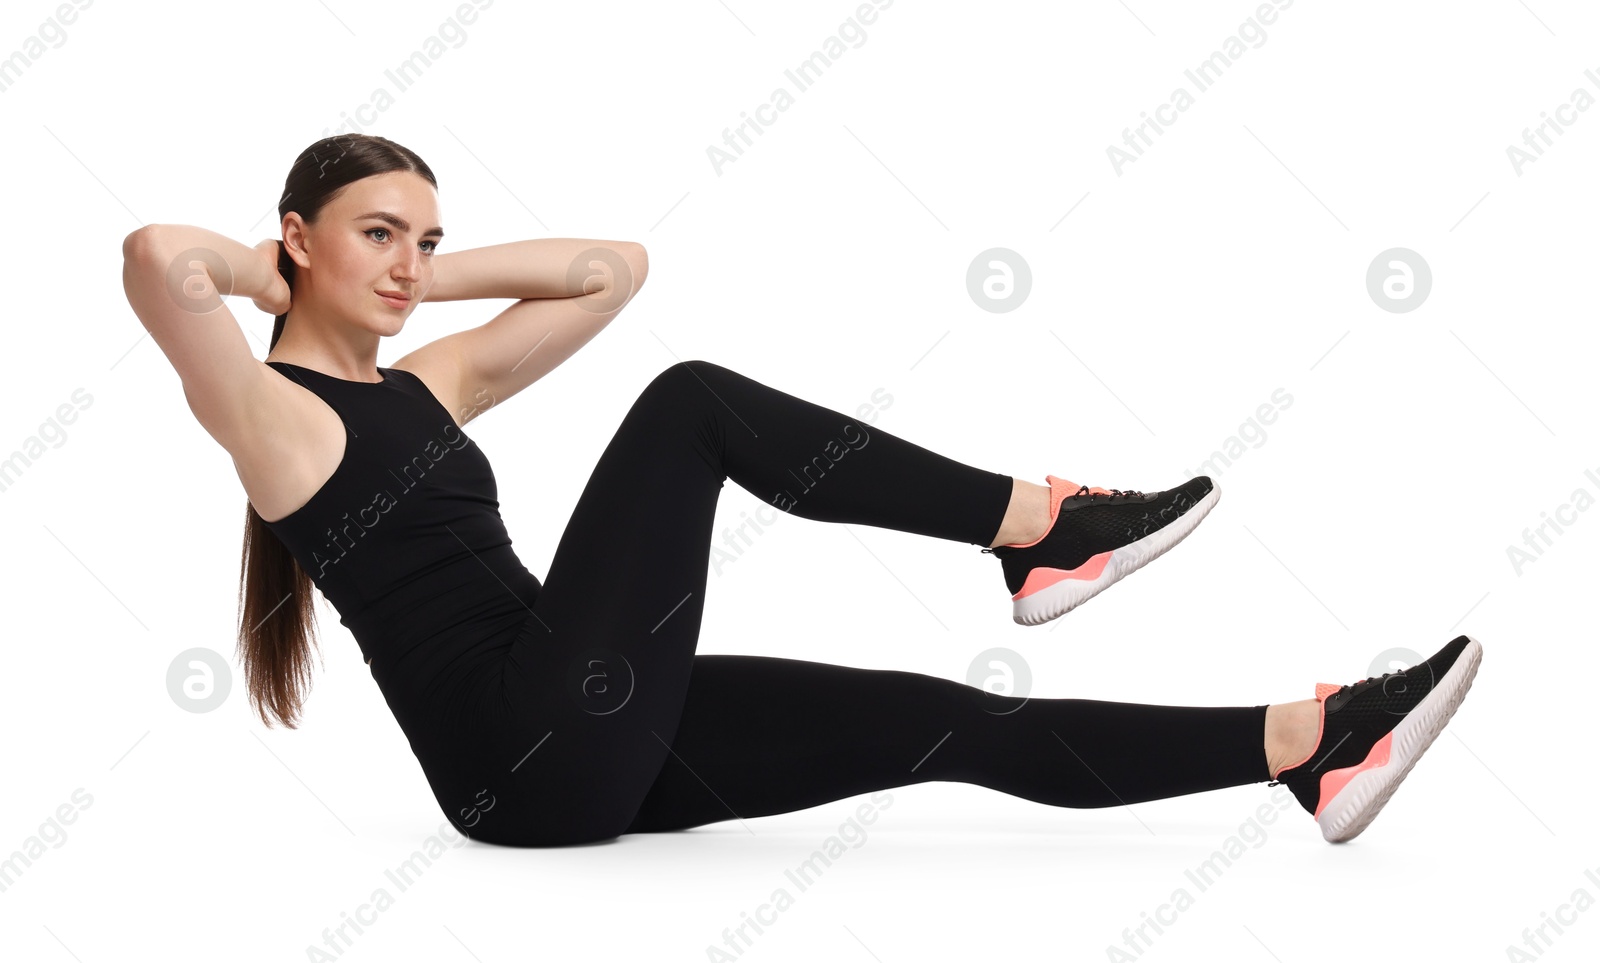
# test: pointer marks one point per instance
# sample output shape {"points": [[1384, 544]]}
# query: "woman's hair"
{"points": [[276, 615]]}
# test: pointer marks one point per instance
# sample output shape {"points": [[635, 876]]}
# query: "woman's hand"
{"points": [[276, 300]]}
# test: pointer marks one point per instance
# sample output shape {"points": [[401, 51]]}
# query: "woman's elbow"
{"points": [[638, 263]]}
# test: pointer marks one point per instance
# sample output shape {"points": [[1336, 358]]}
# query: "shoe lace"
{"points": [[1083, 490], [1369, 681]]}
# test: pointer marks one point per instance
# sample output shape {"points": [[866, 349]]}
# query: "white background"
{"points": [[830, 261]]}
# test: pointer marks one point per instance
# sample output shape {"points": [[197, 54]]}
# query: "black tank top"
{"points": [[405, 537]]}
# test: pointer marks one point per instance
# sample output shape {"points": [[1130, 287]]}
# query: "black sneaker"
{"points": [[1373, 732], [1096, 537]]}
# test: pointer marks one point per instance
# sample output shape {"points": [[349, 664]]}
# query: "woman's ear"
{"points": [[295, 237]]}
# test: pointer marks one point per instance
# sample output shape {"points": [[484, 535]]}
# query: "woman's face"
{"points": [[376, 238]]}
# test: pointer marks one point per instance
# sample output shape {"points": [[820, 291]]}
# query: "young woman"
{"points": [[576, 709]]}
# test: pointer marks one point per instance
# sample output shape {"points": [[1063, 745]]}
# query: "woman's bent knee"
{"points": [[686, 373]]}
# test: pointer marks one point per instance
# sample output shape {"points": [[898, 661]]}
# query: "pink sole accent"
{"points": [[1043, 578], [1336, 780]]}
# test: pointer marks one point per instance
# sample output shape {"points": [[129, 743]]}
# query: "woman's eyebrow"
{"points": [[399, 222]]}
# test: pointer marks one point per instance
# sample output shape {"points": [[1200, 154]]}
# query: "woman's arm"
{"points": [[568, 289], [546, 267], [175, 276]]}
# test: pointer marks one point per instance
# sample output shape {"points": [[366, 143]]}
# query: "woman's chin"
{"points": [[387, 325]]}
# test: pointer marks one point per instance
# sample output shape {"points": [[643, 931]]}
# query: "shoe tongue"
{"points": [[1071, 487], [1325, 689]]}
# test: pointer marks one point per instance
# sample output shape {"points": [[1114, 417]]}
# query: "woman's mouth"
{"points": [[394, 300]]}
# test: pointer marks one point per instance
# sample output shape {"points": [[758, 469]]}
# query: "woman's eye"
{"points": [[432, 246]]}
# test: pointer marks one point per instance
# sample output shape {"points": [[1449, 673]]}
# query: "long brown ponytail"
{"points": [[275, 594]]}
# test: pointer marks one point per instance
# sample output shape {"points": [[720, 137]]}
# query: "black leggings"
{"points": [[605, 721]]}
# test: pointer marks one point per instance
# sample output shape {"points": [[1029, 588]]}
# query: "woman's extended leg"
{"points": [[761, 736], [601, 673]]}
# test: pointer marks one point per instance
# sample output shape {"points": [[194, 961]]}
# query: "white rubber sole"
{"points": [[1353, 807], [1069, 593]]}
